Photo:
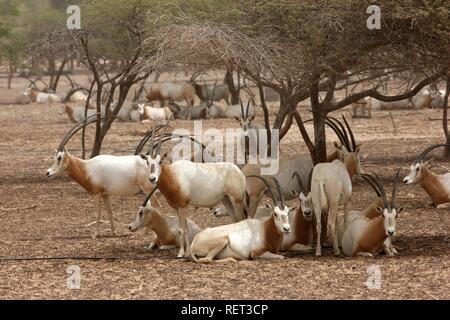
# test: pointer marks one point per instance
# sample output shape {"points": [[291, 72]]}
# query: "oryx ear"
{"points": [[252, 118], [357, 148], [165, 154], [65, 150], [292, 209], [428, 162], [294, 192], [379, 209], [143, 156], [336, 145], [141, 208], [268, 205], [400, 210], [236, 118]]}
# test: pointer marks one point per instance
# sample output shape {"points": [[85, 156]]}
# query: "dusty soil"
{"points": [[46, 218]]}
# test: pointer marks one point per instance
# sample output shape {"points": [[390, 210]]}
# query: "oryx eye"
{"points": [[59, 158], [140, 213]]}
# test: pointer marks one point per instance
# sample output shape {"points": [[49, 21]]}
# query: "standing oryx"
{"points": [[366, 237], [252, 136], [103, 175], [435, 185], [246, 239], [173, 92], [184, 183], [331, 187], [348, 152]]}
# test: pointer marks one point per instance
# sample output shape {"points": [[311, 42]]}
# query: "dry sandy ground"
{"points": [[41, 217]]}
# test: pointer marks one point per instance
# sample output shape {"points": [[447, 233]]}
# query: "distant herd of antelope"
{"points": [[260, 230]]}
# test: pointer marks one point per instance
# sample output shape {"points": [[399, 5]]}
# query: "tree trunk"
{"points": [[51, 70], [319, 125], [266, 118], [10, 73], [445, 117], [58, 75], [233, 90]]}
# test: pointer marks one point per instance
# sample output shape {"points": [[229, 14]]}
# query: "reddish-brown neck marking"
{"points": [[33, 95], [76, 169], [170, 188], [304, 233], [372, 238], [272, 236], [160, 226], [433, 187]]}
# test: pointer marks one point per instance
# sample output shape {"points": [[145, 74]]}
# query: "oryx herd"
{"points": [[260, 230]]}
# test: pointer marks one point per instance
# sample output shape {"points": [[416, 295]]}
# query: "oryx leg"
{"points": [[229, 208], [332, 221], [253, 205], [185, 244], [443, 205], [98, 202], [219, 245], [110, 215], [318, 214], [270, 255]]}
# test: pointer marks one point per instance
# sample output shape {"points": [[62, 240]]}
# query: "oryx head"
{"points": [[348, 151], [145, 214], [245, 121], [60, 159], [389, 211], [304, 195], [280, 210], [415, 171]]}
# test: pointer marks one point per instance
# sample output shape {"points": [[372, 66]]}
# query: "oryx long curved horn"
{"points": [[338, 132], [170, 136], [246, 111], [158, 148], [277, 183], [394, 191], [369, 180], [377, 180], [268, 187], [350, 131], [242, 109], [344, 132], [149, 196], [428, 150], [299, 181], [150, 132], [78, 126]]}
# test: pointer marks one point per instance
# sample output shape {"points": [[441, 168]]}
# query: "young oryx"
{"points": [[253, 133], [165, 227], [184, 183], [331, 187], [174, 92], [437, 186], [246, 239], [41, 97], [103, 175], [367, 237]]}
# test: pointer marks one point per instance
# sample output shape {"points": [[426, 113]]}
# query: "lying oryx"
{"points": [[41, 97], [165, 227], [247, 239], [435, 185], [367, 237], [154, 114]]}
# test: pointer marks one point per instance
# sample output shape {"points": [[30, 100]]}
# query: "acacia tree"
{"points": [[109, 33], [303, 49]]}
